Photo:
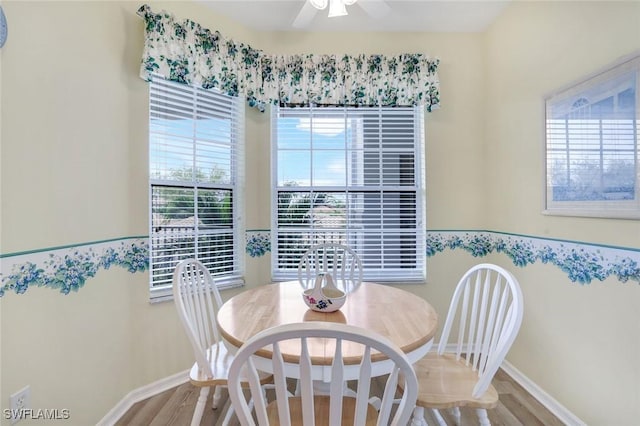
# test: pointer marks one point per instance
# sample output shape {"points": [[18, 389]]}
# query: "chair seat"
{"points": [[446, 383], [487, 309], [220, 361], [321, 411]]}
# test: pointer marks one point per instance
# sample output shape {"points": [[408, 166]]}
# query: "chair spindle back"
{"points": [[197, 300], [487, 306], [303, 334], [339, 260]]}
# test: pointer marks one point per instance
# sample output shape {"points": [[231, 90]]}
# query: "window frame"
{"points": [[235, 184], [573, 94], [417, 273]]}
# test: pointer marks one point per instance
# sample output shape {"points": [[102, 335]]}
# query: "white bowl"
{"points": [[326, 300]]}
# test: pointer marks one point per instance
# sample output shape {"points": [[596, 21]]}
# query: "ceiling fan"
{"points": [[374, 8]]}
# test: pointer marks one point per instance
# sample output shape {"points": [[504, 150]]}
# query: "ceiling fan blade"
{"points": [[306, 14], [375, 8]]}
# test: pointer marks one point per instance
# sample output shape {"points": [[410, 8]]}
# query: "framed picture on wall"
{"points": [[591, 145]]}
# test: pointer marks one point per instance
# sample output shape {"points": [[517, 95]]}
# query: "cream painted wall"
{"points": [[74, 170], [67, 98], [72, 108], [1, 392], [580, 343]]}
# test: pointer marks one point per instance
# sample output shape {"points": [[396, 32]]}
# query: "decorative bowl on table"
{"points": [[324, 296]]}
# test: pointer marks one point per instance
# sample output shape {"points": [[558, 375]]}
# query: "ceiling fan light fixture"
{"points": [[319, 4], [337, 8]]}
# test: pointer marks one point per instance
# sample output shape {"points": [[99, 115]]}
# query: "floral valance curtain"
{"points": [[183, 51]]}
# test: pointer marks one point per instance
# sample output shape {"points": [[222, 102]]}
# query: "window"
{"points": [[351, 176], [592, 145], [195, 150]]}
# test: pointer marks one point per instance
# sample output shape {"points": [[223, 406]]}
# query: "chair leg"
{"points": [[455, 411], [418, 417], [228, 415], [217, 394], [438, 416], [202, 401], [231, 411], [483, 417]]}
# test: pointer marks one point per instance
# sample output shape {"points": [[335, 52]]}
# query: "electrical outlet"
{"points": [[20, 401]]}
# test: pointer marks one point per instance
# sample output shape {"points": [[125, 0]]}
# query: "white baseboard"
{"points": [[142, 393], [558, 410], [561, 412]]}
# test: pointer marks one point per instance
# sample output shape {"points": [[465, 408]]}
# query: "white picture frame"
{"points": [[591, 155]]}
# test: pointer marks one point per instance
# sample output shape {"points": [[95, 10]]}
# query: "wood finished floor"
{"points": [[175, 408]]}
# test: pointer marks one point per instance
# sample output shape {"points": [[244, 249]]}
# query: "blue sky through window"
{"points": [[313, 152], [172, 151]]}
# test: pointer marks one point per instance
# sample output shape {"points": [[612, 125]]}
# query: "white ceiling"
{"points": [[400, 15]]}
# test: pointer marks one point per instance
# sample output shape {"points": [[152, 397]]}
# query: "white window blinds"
{"points": [[196, 138], [592, 145], [351, 176]]}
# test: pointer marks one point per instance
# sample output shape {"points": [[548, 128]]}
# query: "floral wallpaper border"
{"points": [[67, 269], [582, 262], [258, 243]]}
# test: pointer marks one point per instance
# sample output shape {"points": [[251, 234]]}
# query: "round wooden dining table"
{"points": [[404, 318]]}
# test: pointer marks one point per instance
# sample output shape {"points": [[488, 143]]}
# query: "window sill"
{"points": [[165, 293]]}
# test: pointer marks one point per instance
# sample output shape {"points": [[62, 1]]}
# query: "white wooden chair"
{"points": [[197, 300], [487, 309], [339, 260], [313, 408]]}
